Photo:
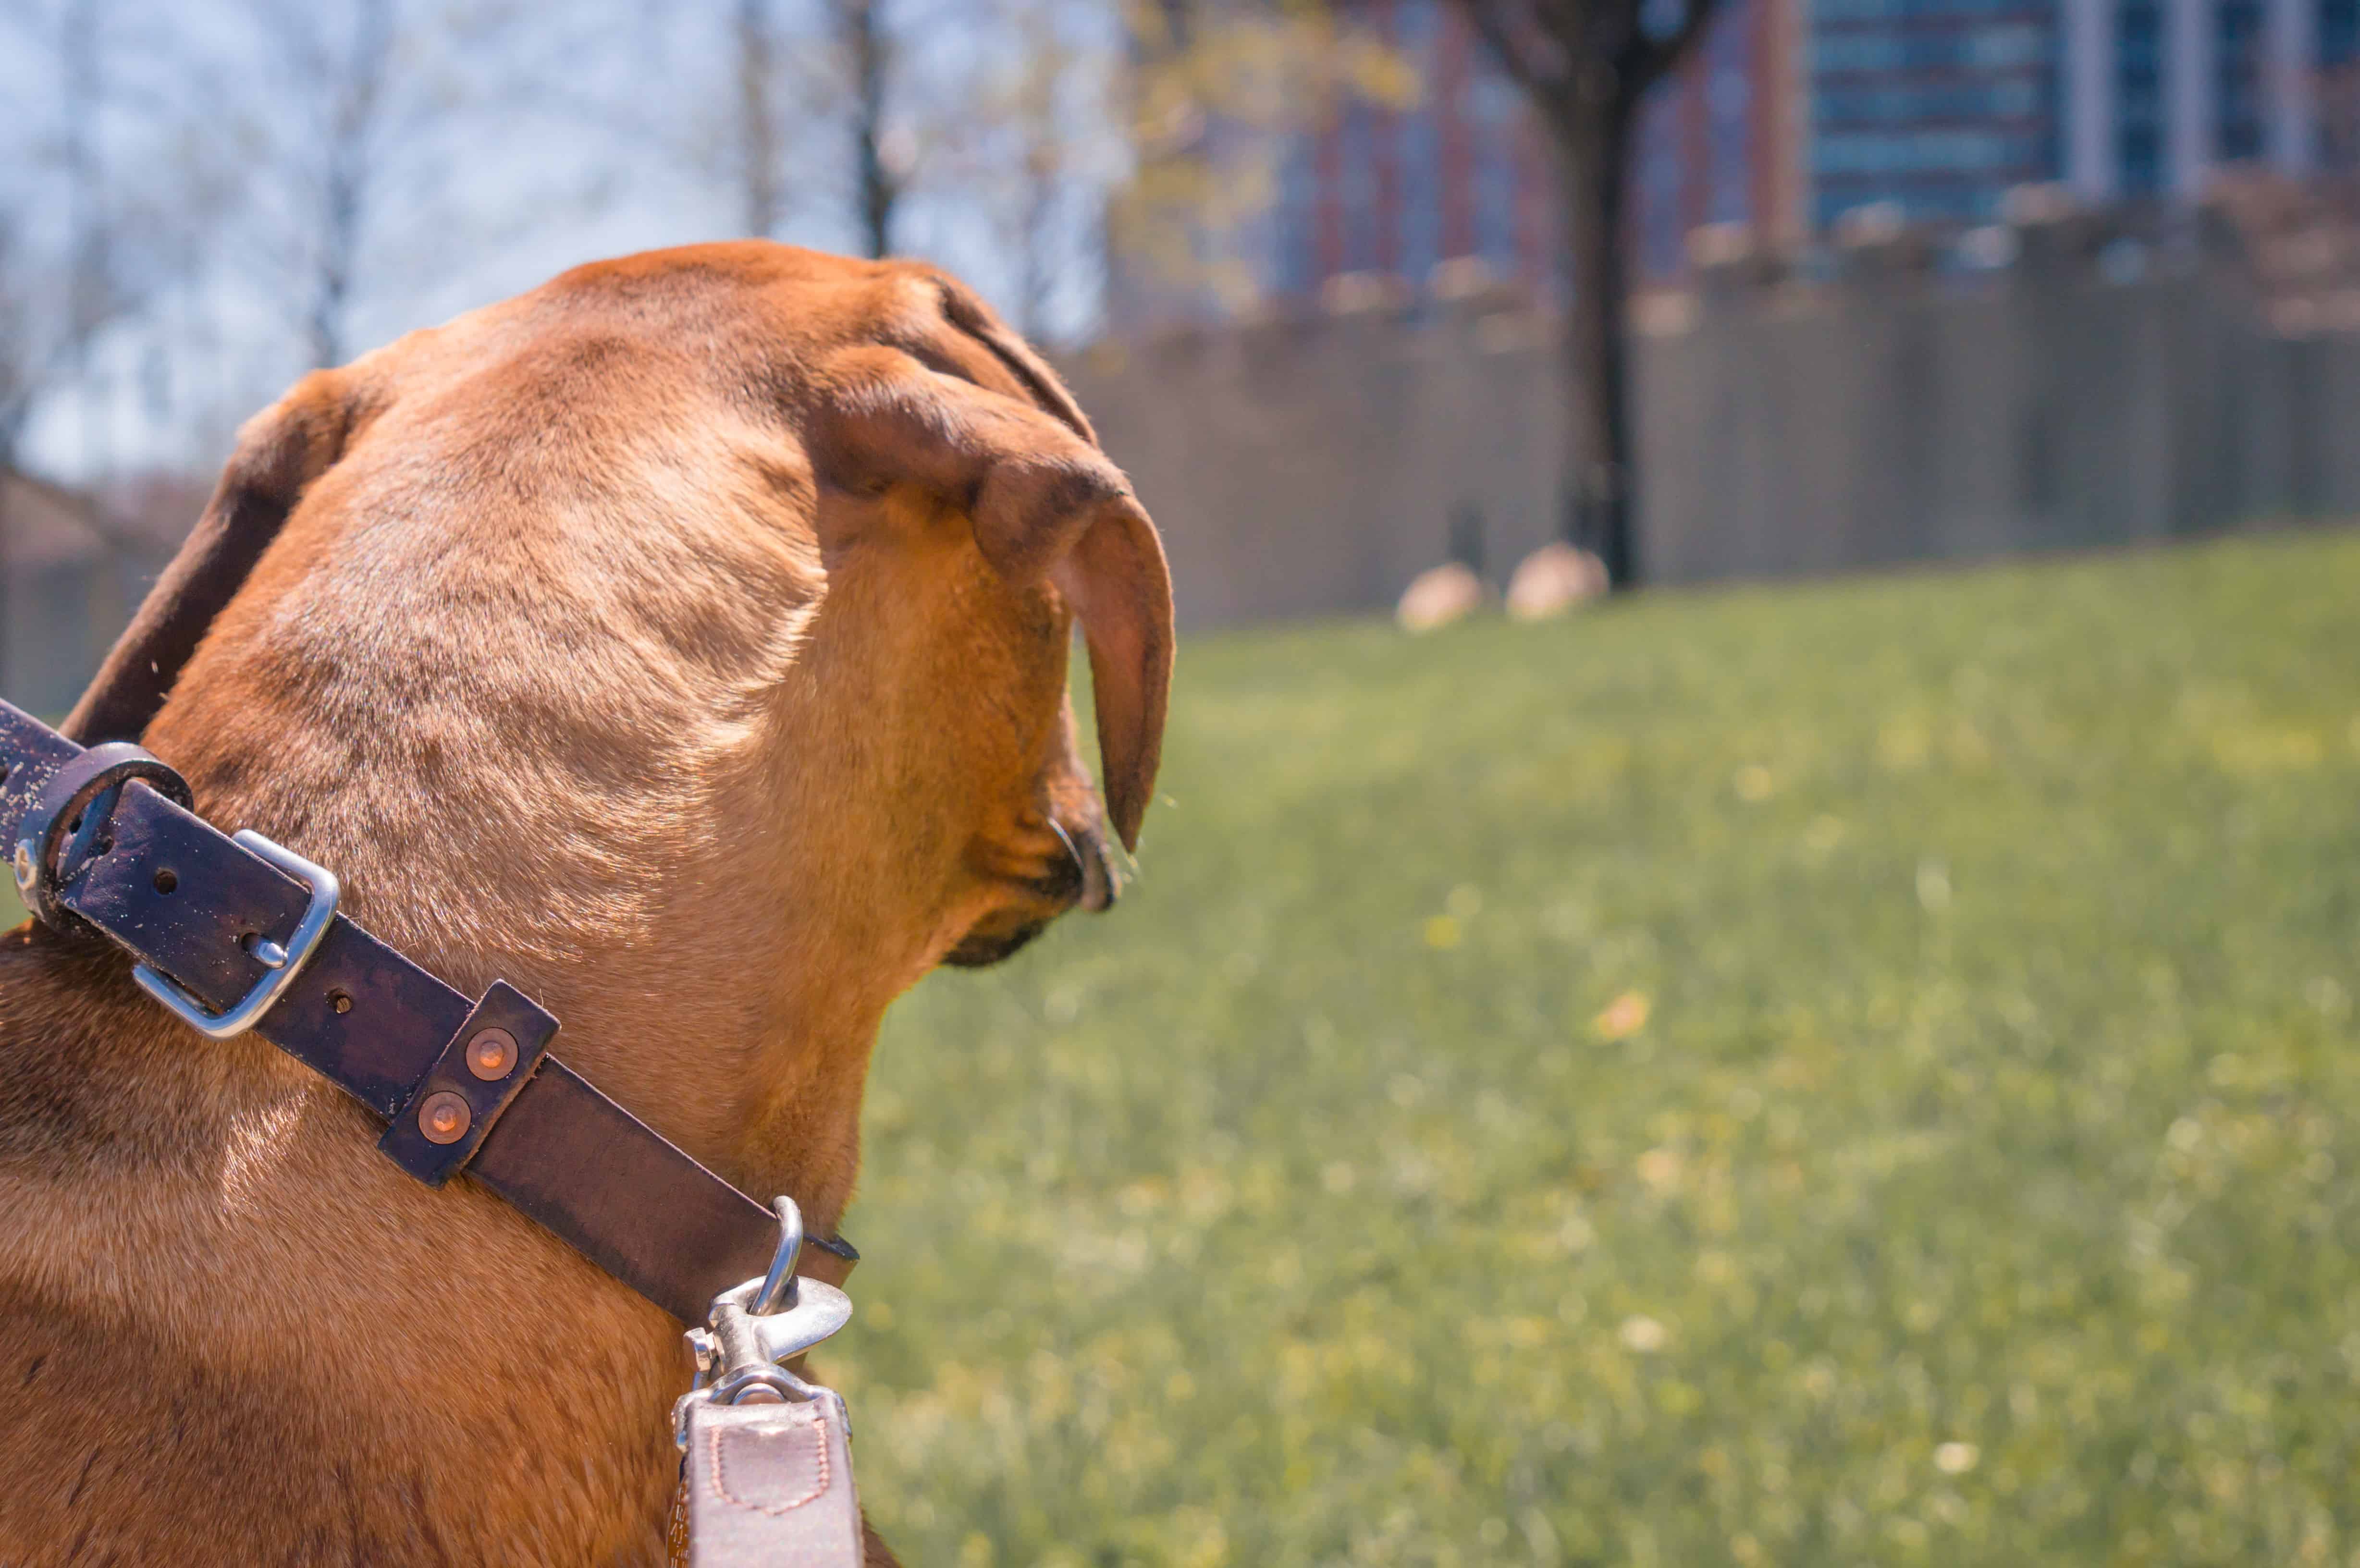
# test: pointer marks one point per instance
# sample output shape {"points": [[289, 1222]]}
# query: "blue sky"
{"points": [[537, 137]]}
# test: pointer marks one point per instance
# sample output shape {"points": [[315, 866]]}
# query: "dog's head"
{"points": [[688, 635], [987, 519]]}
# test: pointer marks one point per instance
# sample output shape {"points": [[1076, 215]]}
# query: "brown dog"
{"points": [[684, 641]]}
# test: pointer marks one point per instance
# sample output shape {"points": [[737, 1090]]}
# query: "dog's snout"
{"points": [[1090, 880], [1083, 877]]}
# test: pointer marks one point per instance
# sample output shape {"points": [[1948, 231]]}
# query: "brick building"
{"points": [[1791, 113]]}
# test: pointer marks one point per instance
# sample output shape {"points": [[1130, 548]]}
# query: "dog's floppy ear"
{"points": [[280, 451], [1046, 504]]}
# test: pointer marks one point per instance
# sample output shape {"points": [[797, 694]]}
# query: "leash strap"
{"points": [[206, 915], [769, 1484]]}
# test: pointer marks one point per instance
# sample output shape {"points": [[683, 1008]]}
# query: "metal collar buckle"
{"points": [[757, 1327], [284, 963]]}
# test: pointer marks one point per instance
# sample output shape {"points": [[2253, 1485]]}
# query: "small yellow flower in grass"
{"points": [[1753, 783], [1625, 1016], [1643, 1336], [1660, 1169], [1957, 1458], [1441, 934]]}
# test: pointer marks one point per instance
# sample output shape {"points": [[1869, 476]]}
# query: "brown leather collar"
{"points": [[463, 1085]]}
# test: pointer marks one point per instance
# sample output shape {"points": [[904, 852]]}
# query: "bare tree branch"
{"points": [[348, 175], [96, 202], [761, 183], [868, 51], [1656, 58], [1518, 56]]}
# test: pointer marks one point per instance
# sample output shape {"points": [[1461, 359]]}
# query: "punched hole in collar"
{"points": [[340, 1001], [167, 879]]}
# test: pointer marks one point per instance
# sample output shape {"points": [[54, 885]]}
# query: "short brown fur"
{"points": [[684, 641]]}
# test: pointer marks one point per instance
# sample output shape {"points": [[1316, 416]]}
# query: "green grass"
{"points": [[1980, 1186]]}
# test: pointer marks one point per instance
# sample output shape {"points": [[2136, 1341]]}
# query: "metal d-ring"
{"points": [[285, 963], [777, 1291], [742, 1350]]}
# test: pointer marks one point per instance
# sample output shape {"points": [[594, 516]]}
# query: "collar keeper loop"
{"points": [[67, 825]]}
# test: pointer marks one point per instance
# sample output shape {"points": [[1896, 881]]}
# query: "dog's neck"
{"points": [[719, 934], [719, 945]]}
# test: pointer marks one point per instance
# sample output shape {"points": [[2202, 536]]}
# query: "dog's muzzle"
{"points": [[1098, 886], [1085, 879]]}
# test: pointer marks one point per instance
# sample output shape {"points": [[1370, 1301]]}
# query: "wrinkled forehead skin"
{"points": [[750, 325], [669, 373]]}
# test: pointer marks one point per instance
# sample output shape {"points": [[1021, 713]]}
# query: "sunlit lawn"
{"points": [[1814, 1075], [1824, 1074]]}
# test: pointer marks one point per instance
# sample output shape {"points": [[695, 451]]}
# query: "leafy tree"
{"points": [[1214, 89]]}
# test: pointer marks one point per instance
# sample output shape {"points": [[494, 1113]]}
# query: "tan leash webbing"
{"points": [[767, 1486]]}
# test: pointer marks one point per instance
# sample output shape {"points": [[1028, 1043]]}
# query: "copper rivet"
{"points": [[444, 1116], [491, 1053]]}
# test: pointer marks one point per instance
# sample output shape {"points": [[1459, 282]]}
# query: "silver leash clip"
{"points": [[754, 1329]]}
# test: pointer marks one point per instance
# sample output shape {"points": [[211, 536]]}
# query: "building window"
{"points": [[1939, 105], [2238, 62], [2139, 97], [2339, 32]]}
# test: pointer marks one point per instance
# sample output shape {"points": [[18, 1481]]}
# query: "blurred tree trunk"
{"points": [[1593, 160], [346, 175], [868, 54], [763, 187], [1042, 160], [86, 237], [1585, 66]]}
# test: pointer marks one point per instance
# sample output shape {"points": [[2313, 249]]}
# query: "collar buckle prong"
{"points": [[309, 931]]}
